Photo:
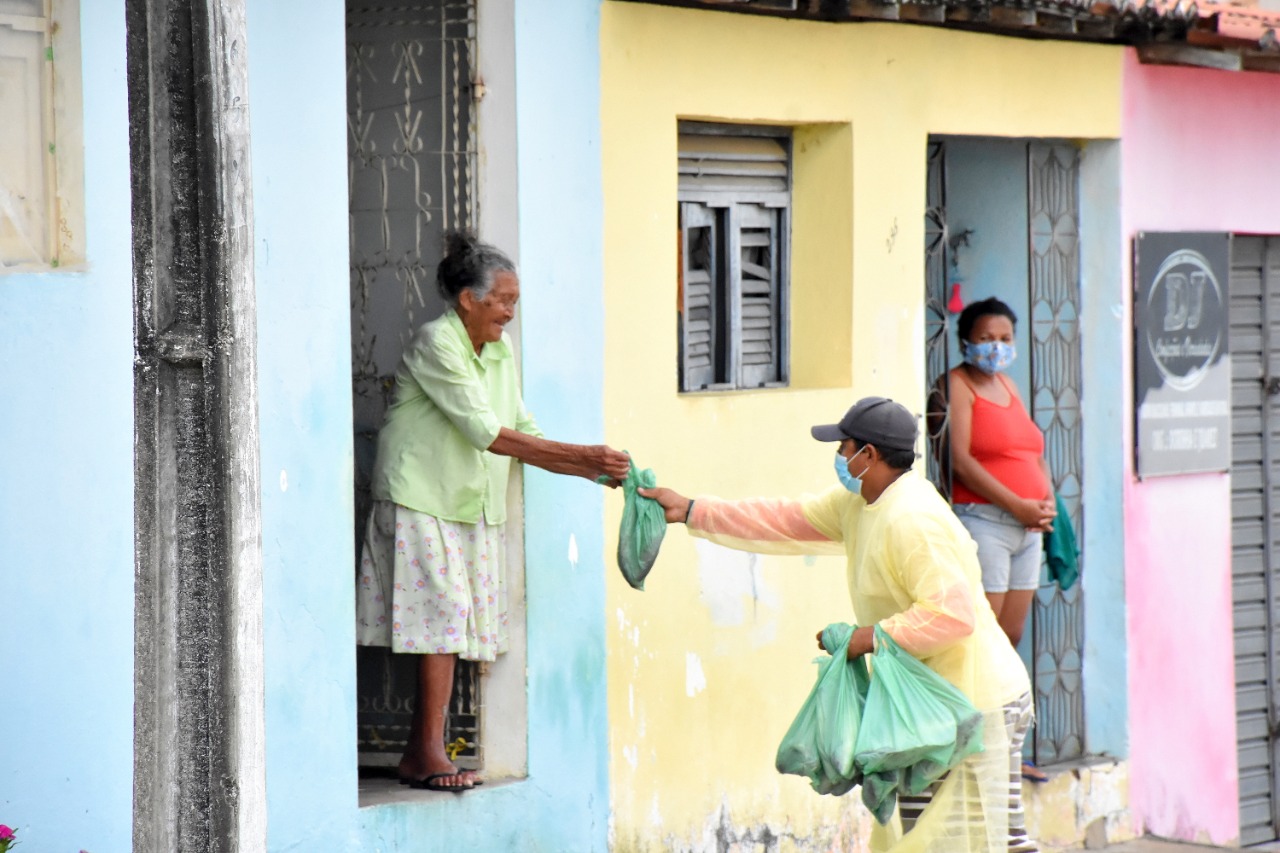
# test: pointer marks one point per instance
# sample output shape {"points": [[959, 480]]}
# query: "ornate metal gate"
{"points": [[412, 175], [937, 321], [1054, 296], [1057, 618]]}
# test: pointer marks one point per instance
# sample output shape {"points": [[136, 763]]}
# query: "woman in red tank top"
{"points": [[1000, 484]]}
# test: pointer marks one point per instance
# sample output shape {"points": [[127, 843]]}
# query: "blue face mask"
{"points": [[990, 357], [850, 482]]}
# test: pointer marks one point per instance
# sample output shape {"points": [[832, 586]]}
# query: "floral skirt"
{"points": [[429, 586]]}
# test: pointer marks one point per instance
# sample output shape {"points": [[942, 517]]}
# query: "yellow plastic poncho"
{"points": [[913, 569]]}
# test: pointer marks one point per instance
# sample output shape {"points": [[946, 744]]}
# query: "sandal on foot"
{"points": [[431, 784], [1032, 773]]}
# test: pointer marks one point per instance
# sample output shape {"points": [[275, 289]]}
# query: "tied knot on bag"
{"points": [[836, 637], [644, 523], [820, 745]]}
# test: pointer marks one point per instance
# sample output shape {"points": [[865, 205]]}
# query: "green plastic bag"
{"points": [[643, 525], [821, 742], [880, 793], [916, 726], [969, 730]]}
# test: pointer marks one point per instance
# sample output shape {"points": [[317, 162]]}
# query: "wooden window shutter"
{"points": [[734, 192], [759, 247], [732, 164], [700, 309]]}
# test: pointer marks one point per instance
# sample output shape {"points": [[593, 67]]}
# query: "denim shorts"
{"points": [[1008, 552]]}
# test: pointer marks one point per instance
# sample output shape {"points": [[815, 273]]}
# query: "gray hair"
{"points": [[469, 264]]}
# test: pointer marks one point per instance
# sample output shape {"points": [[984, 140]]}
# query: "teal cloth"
{"points": [[1060, 549]]}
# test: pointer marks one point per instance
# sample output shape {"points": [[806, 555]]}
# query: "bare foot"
{"points": [[1035, 774]]}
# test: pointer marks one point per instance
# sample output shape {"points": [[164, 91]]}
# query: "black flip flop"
{"points": [[417, 783], [431, 785]]}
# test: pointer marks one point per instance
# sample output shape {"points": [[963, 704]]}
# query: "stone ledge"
{"points": [[1084, 804]]}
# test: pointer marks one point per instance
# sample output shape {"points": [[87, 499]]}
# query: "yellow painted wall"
{"points": [[708, 666]]}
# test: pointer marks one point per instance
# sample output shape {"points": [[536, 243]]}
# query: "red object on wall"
{"points": [[955, 304]]}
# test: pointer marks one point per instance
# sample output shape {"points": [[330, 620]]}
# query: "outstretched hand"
{"points": [[612, 465], [675, 506]]}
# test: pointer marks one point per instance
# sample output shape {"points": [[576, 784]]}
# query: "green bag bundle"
{"points": [[643, 526], [916, 726], [821, 743]]}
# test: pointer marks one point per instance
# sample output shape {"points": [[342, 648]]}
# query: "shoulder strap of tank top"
{"points": [[1004, 380], [960, 373]]}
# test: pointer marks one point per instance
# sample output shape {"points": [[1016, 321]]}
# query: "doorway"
{"points": [[1002, 219], [412, 171]]}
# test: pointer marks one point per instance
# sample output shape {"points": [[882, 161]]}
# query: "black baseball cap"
{"points": [[873, 420]]}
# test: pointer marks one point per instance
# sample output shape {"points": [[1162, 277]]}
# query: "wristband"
{"points": [[688, 513]]}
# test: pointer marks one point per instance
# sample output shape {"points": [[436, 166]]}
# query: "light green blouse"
{"points": [[449, 404]]}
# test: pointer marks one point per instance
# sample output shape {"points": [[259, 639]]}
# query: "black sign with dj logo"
{"points": [[1182, 390]]}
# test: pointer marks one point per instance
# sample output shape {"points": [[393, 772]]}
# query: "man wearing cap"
{"points": [[912, 568]]}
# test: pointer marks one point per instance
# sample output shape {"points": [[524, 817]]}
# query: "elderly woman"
{"points": [[432, 580]]}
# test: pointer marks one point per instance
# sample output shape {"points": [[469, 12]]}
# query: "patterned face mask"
{"points": [[990, 357]]}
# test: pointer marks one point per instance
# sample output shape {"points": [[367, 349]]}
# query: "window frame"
{"points": [[729, 214], [60, 116]]}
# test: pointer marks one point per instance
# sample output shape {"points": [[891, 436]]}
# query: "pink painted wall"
{"points": [[1200, 152]]}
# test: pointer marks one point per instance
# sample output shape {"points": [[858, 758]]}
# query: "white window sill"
{"points": [[388, 792]]}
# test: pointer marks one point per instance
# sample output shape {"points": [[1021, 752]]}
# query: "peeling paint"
{"points": [[720, 833], [284, 480], [694, 679], [728, 580], [573, 551]]}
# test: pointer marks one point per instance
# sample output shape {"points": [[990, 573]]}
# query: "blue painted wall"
{"points": [[1104, 336], [299, 158], [561, 250], [66, 503], [987, 193]]}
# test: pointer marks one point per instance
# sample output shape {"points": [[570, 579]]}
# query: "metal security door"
{"points": [[937, 320], [1057, 617], [1255, 514]]}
